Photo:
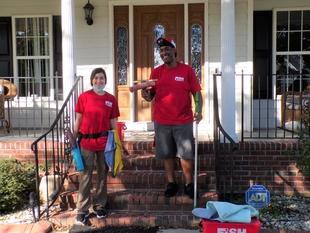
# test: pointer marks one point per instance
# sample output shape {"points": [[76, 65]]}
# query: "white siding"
{"points": [[24, 7], [264, 5]]}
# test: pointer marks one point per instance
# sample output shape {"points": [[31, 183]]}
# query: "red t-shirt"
{"points": [[96, 110], [174, 90]]}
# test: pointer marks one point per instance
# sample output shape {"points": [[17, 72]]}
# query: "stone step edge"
{"points": [[141, 197], [143, 180], [141, 174], [166, 219]]}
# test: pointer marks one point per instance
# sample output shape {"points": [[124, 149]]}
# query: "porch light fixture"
{"points": [[88, 10]]}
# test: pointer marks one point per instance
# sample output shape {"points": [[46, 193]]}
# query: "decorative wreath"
{"points": [[9, 89]]}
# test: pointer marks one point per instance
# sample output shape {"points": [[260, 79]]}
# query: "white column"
{"points": [[228, 103], [68, 45]]}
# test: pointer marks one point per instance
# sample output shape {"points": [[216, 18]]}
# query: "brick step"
{"points": [[147, 162], [147, 148], [148, 200], [132, 208], [137, 162], [136, 194], [143, 180], [166, 219], [137, 151], [141, 156]]}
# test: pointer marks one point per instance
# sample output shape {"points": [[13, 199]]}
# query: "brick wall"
{"points": [[22, 151], [269, 164], [17, 149], [264, 163]]}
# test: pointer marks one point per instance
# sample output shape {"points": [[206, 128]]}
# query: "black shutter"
{"points": [[262, 52], [6, 58], [57, 45]]}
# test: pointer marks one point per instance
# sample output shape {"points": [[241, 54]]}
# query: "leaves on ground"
{"points": [[111, 229]]}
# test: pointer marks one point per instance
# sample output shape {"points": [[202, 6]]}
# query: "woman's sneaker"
{"points": [[100, 213], [81, 218]]}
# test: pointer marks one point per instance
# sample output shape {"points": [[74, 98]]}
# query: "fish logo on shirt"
{"points": [[179, 79], [108, 103]]}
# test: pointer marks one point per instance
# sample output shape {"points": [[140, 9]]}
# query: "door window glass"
{"points": [[196, 49], [159, 31], [122, 55]]}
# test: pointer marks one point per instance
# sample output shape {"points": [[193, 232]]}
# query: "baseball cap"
{"points": [[166, 42]]}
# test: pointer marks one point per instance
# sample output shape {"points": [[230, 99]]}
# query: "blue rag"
{"points": [[109, 150], [78, 160], [226, 212]]}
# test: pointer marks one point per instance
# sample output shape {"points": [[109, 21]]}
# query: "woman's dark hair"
{"points": [[96, 71]]}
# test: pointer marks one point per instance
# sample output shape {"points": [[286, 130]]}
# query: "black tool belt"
{"points": [[95, 135]]}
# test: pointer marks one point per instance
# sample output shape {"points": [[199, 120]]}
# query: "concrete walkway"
{"points": [[46, 227], [178, 231], [39, 227]]}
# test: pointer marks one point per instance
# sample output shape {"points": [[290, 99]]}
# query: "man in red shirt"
{"points": [[173, 115]]}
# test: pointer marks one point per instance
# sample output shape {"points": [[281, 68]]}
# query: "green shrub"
{"points": [[302, 155], [17, 181]]}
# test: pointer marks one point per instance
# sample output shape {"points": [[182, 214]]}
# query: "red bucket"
{"points": [[120, 130], [213, 226]]}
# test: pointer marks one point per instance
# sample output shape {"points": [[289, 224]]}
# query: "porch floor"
{"points": [[139, 135]]}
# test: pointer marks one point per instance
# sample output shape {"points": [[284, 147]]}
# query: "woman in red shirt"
{"points": [[96, 113]]}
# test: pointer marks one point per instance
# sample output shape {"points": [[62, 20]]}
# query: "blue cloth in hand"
{"points": [[78, 160]]}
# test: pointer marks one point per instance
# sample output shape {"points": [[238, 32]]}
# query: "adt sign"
{"points": [[257, 196]]}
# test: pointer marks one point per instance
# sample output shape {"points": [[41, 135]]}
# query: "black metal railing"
{"points": [[261, 107], [224, 150], [29, 105], [53, 158], [272, 105]]}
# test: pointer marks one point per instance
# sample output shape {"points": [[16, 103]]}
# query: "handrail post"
{"points": [[218, 129]]}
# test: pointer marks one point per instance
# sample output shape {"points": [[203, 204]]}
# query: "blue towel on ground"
{"points": [[226, 212]]}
